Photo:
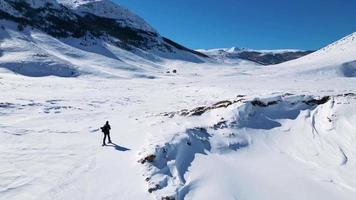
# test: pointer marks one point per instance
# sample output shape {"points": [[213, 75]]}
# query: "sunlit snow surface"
{"points": [[51, 143]]}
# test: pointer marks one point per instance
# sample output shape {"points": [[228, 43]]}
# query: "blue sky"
{"points": [[258, 24]]}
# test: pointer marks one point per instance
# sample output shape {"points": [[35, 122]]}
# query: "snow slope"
{"points": [[336, 59], [34, 53]]}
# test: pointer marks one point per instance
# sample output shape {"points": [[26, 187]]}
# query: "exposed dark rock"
{"points": [[346, 95], [189, 143], [149, 158], [260, 103], [222, 104], [271, 58], [220, 125], [168, 198], [198, 111], [152, 189], [317, 101]]}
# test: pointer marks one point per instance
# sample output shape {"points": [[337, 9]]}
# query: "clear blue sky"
{"points": [[258, 24]]}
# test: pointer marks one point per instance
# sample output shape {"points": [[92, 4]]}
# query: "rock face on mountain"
{"points": [[272, 58], [90, 19], [263, 57]]}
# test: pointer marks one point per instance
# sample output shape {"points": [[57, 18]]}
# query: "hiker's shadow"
{"points": [[117, 147]]}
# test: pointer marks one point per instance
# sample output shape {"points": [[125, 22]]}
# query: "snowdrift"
{"points": [[312, 133]]}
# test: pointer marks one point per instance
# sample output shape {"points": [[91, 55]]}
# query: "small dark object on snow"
{"points": [[220, 125], [168, 198], [260, 103], [156, 187], [174, 71], [149, 158], [106, 130]]}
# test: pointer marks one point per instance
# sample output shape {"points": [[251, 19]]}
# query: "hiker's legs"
{"points": [[104, 139], [109, 138]]}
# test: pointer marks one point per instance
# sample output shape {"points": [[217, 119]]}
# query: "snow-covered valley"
{"points": [[184, 126], [51, 143]]}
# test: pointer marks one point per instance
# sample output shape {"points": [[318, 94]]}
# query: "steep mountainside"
{"points": [[92, 20]]}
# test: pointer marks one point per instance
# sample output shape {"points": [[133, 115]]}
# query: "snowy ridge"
{"points": [[101, 8], [336, 59], [108, 9], [237, 50], [236, 55], [342, 44], [219, 50], [338, 52]]}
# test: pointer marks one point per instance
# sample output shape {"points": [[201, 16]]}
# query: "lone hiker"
{"points": [[106, 130]]}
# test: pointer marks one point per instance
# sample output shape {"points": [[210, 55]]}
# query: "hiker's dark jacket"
{"points": [[106, 129]]}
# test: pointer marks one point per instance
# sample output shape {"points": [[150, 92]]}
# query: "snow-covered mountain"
{"points": [[234, 55], [108, 9], [92, 27]]}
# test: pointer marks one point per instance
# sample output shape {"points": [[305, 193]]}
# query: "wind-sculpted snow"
{"points": [[246, 123]]}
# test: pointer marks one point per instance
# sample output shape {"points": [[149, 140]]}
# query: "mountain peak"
{"points": [[108, 9], [233, 50]]}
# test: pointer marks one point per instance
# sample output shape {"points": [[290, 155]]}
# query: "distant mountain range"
{"points": [[263, 57]]}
